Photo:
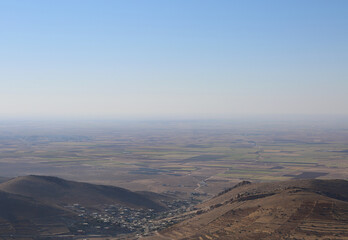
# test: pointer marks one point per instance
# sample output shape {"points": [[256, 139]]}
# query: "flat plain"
{"points": [[175, 157]]}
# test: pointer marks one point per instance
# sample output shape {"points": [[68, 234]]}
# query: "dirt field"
{"points": [[175, 157]]}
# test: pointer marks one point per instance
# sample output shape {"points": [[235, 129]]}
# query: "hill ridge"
{"points": [[295, 209], [60, 191]]}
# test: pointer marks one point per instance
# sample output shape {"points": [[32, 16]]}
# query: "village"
{"points": [[115, 219]]}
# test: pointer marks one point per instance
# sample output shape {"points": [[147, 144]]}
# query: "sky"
{"points": [[173, 59]]}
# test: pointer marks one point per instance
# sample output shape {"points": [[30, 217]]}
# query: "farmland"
{"points": [[175, 157]]}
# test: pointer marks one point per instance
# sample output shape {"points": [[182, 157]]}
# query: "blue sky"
{"points": [[185, 59]]}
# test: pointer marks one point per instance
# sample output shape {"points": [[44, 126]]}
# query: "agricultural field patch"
{"points": [[178, 157]]}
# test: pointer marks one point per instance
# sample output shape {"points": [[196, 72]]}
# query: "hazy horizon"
{"points": [[173, 60]]}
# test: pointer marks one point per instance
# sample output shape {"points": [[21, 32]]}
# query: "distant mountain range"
{"points": [[298, 209]]}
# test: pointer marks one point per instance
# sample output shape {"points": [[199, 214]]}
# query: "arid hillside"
{"points": [[42, 207], [58, 191], [25, 217], [299, 209]]}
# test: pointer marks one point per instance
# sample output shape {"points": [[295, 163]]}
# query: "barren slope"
{"points": [[62, 192], [24, 216], [34, 207], [302, 209]]}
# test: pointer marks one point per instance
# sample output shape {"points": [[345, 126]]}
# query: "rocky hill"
{"points": [[299, 209]]}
